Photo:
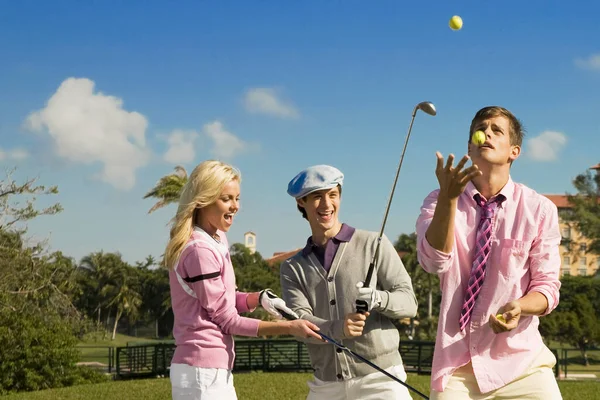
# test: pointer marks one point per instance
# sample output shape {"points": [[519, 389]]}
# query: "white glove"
{"points": [[273, 304], [368, 295]]}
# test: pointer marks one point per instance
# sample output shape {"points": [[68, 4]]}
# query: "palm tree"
{"points": [[168, 188], [123, 296], [95, 270]]}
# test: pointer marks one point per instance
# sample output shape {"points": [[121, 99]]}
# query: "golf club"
{"points": [[358, 356], [428, 108]]}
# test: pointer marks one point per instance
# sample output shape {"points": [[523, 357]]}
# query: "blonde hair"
{"points": [[204, 186]]}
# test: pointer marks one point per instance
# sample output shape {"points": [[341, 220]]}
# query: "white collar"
{"points": [[210, 237]]}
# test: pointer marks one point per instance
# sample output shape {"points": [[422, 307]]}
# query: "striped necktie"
{"points": [[482, 252]]}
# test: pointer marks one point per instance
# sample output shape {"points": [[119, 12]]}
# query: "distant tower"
{"points": [[250, 241]]}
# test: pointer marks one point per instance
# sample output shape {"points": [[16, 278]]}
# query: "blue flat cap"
{"points": [[317, 177]]}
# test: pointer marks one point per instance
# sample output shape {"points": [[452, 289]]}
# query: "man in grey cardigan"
{"points": [[320, 284]]}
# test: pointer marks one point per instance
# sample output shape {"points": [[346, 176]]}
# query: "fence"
{"points": [[574, 366], [253, 355], [289, 355], [144, 360]]}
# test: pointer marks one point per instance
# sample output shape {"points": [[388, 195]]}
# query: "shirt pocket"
{"points": [[512, 258]]}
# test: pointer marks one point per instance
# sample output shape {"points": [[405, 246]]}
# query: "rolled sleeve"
{"points": [[204, 267], [432, 260], [545, 258]]}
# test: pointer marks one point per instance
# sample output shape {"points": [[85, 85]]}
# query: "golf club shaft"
{"points": [[358, 356], [361, 305]]}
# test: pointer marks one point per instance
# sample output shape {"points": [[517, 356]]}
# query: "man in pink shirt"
{"points": [[494, 243]]}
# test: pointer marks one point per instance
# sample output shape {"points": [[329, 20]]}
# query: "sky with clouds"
{"points": [[104, 99]]}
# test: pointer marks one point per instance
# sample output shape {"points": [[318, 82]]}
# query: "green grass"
{"points": [[121, 340], [249, 386], [94, 348]]}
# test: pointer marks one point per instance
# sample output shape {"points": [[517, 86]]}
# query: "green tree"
{"points": [[426, 287], [39, 324], [168, 189], [253, 274], [585, 211], [155, 291], [112, 285], [576, 319], [124, 298]]}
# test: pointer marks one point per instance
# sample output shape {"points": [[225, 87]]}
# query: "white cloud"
{"points": [[226, 144], [88, 127], [592, 62], [546, 146], [266, 101], [14, 154], [181, 146]]}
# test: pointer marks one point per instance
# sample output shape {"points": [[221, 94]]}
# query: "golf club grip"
{"points": [[361, 305], [285, 315]]}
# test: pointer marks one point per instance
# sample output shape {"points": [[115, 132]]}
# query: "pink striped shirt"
{"points": [[524, 257], [206, 304]]}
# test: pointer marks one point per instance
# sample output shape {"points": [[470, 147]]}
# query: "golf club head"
{"points": [[427, 107]]}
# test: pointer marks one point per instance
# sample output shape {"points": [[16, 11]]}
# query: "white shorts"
{"points": [[536, 383], [375, 386], [195, 383]]}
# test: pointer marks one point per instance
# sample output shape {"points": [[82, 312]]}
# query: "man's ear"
{"points": [[301, 201], [515, 152]]}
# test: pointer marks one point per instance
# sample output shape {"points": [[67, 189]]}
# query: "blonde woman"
{"points": [[204, 298]]}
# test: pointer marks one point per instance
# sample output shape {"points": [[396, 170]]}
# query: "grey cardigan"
{"points": [[325, 298]]}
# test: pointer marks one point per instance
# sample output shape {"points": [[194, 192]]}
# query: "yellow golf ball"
{"points": [[455, 23], [478, 138], [500, 318]]}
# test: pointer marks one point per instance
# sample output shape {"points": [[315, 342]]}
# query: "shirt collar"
{"points": [[507, 191], [344, 235], [211, 239]]}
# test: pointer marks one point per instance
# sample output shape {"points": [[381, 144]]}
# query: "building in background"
{"points": [[575, 260], [250, 241]]}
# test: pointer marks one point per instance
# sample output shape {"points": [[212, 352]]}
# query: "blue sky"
{"points": [[104, 98]]}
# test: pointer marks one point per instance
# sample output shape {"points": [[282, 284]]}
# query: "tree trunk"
{"points": [[106, 325], [583, 347], [156, 328], [114, 334], [584, 354]]}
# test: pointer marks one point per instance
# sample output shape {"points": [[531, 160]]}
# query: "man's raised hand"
{"points": [[453, 180]]}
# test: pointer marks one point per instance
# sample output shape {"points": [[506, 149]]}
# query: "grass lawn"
{"points": [[250, 386], [95, 349]]}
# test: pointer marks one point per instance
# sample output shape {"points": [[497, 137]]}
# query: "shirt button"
{"points": [[332, 302], [330, 279]]}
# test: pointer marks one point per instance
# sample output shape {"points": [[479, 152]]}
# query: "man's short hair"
{"points": [[516, 126], [303, 211]]}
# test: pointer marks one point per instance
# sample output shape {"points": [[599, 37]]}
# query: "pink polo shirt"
{"points": [[524, 257], [206, 304]]}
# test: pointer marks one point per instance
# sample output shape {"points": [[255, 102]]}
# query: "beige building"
{"points": [[573, 249]]}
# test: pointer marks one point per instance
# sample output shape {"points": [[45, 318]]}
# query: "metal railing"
{"points": [[289, 355], [143, 360], [573, 365], [281, 355]]}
